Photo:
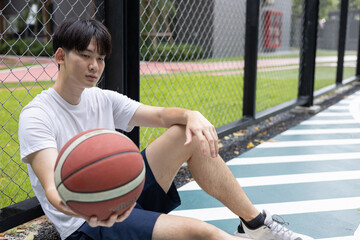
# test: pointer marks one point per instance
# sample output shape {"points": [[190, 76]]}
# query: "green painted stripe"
{"points": [[198, 199], [317, 137], [267, 152], [330, 126], [319, 117], [293, 168], [317, 225]]}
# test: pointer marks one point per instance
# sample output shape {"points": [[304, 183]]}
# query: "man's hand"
{"points": [[165, 117], [200, 127], [94, 222]]}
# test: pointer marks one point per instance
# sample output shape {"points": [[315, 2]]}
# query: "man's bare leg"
{"points": [[166, 155], [170, 227]]}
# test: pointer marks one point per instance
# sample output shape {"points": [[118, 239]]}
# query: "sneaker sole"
{"points": [[242, 235]]}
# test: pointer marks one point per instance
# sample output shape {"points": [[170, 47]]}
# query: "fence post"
{"points": [[342, 41], [358, 55], [251, 54], [122, 68], [308, 51]]}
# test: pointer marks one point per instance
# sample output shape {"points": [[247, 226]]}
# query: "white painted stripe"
{"points": [[337, 107], [308, 143], [339, 238], [321, 131], [355, 109], [297, 207], [333, 114], [329, 122], [286, 179], [357, 233], [344, 101], [293, 158]]}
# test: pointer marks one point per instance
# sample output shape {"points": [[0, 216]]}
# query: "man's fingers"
{"points": [[94, 222], [212, 141], [126, 214], [188, 136], [216, 138]]}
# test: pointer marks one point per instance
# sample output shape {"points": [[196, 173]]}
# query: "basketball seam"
{"points": [[74, 144], [85, 166], [67, 191]]}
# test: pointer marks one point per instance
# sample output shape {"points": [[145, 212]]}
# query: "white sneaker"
{"points": [[240, 232], [273, 229]]}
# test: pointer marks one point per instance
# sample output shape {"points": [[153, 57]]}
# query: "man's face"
{"points": [[84, 68]]}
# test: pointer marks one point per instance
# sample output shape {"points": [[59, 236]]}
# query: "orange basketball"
{"points": [[99, 172]]}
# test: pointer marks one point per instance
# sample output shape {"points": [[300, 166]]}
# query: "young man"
{"points": [[74, 105]]}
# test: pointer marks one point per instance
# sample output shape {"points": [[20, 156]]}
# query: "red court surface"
{"points": [[45, 69]]}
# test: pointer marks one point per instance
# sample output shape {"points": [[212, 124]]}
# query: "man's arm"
{"points": [[43, 164], [196, 124]]}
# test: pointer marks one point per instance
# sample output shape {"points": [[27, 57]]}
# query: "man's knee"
{"points": [[177, 131]]}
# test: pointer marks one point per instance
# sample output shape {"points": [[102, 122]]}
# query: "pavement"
{"points": [[309, 175]]}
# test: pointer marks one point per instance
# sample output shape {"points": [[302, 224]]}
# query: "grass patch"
{"points": [[14, 183], [218, 98]]}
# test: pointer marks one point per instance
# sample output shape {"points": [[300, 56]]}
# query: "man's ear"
{"points": [[59, 56]]}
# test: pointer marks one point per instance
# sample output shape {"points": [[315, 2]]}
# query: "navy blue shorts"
{"points": [[152, 202]]}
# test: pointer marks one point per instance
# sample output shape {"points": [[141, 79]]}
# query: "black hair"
{"points": [[74, 34]]}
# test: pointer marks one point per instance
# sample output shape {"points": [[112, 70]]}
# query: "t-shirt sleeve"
{"points": [[123, 109], [35, 132]]}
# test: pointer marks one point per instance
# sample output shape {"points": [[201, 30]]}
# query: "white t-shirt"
{"points": [[48, 121]]}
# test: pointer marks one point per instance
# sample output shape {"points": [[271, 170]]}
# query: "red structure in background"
{"points": [[273, 27]]}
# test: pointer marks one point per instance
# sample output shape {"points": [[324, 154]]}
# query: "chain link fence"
{"points": [[26, 68], [279, 56], [328, 37], [191, 56]]}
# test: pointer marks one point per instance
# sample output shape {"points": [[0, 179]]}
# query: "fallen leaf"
{"points": [[250, 145], [272, 140], [236, 152], [263, 133], [238, 134], [22, 227], [256, 128], [29, 237], [11, 231]]}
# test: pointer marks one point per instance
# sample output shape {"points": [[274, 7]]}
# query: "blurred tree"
{"points": [[324, 7], [354, 4]]}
